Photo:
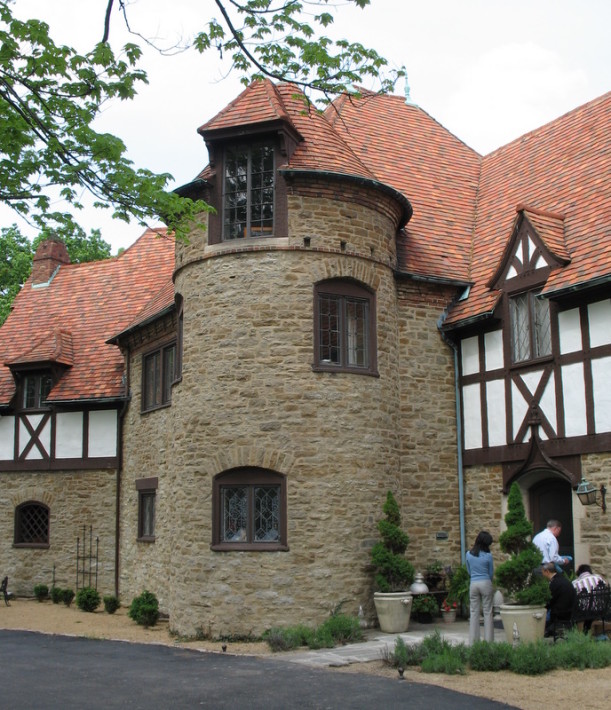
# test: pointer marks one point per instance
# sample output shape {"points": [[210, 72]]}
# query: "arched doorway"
{"points": [[551, 498]]}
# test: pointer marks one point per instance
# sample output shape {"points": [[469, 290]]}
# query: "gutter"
{"points": [[459, 458], [435, 280], [585, 286]]}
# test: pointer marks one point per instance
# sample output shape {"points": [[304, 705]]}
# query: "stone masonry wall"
{"points": [[427, 424], [75, 499]]}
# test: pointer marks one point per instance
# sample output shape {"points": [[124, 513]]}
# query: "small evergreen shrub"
{"points": [[144, 609], [41, 592], [393, 572], [111, 604], [288, 639], [579, 650], [450, 661], [425, 604], [56, 595], [321, 638], [343, 628], [67, 596], [88, 599], [532, 659], [485, 656]]}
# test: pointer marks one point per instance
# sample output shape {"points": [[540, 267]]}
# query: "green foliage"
{"points": [[67, 596], [337, 629], [88, 599], [144, 609], [581, 651], [458, 589], [436, 655], [343, 628], [41, 592], [111, 603], [17, 253], [449, 662], [515, 575], [485, 656], [532, 659], [286, 41], [56, 595], [425, 604], [393, 572]]}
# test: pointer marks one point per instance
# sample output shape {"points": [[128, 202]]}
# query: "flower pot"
{"points": [[523, 623], [393, 610], [448, 616]]}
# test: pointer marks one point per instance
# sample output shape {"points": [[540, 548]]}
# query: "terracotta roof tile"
{"points": [[563, 167], [92, 302], [405, 148]]}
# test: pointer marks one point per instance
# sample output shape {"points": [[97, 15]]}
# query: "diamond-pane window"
{"points": [[249, 510], [32, 524]]}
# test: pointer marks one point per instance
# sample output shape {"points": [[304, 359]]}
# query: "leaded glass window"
{"points": [[249, 510], [530, 327], [345, 327], [248, 192]]}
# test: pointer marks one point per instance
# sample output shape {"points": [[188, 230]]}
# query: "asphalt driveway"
{"points": [[39, 671]]}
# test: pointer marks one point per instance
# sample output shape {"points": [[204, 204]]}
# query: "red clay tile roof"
{"points": [[405, 148], [91, 302], [563, 167], [54, 346]]}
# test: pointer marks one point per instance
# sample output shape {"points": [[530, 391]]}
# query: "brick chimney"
{"points": [[50, 255]]}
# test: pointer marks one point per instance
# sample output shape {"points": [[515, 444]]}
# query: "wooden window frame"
{"points": [[19, 512], [162, 388], [147, 488], [346, 292], [250, 478]]}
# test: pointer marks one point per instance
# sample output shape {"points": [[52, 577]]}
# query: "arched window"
{"points": [[32, 524], [344, 327], [249, 510]]}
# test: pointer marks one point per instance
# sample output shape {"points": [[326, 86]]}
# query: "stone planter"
{"points": [[523, 624], [393, 610], [448, 617]]}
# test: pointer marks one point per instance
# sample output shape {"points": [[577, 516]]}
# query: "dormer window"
{"points": [[248, 191], [530, 327], [35, 390]]}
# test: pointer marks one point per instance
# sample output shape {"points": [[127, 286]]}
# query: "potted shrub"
{"points": [[393, 572], [424, 608], [458, 588], [434, 575], [527, 592]]}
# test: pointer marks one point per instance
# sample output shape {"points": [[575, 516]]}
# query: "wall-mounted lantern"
{"points": [[588, 494]]}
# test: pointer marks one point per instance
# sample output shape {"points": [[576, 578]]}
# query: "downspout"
{"points": [[459, 459], [122, 413]]}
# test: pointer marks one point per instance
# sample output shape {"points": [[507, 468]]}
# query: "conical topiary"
{"points": [[393, 572], [516, 575]]}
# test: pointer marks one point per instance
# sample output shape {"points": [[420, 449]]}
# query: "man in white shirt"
{"points": [[547, 542]]}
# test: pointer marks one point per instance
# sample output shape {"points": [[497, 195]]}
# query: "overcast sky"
{"points": [[488, 70]]}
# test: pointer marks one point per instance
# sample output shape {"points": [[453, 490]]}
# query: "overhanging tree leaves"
{"points": [[50, 96]]}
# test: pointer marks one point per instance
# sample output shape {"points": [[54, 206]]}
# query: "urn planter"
{"points": [[393, 610], [448, 616], [523, 623]]}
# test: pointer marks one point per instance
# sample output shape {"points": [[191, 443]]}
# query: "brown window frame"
{"points": [[163, 388], [147, 489], [18, 540], [43, 383], [345, 292], [249, 478]]}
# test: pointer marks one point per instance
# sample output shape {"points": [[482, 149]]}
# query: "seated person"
{"points": [[587, 580], [560, 606]]}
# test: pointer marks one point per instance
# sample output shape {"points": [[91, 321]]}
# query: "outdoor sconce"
{"points": [[588, 494]]}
